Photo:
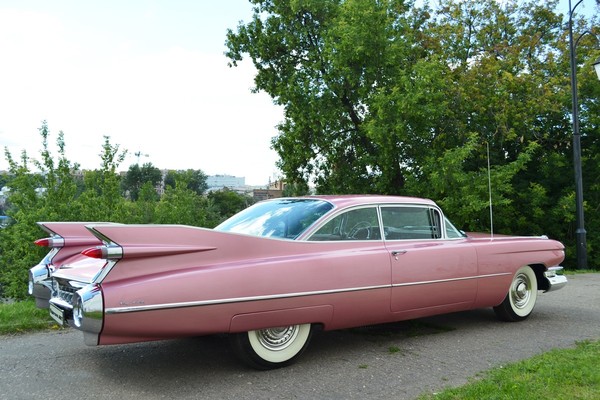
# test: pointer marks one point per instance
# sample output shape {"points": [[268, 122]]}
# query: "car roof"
{"points": [[349, 200]]}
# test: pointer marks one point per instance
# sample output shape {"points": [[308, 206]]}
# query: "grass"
{"points": [[23, 316], [580, 271], [557, 374]]}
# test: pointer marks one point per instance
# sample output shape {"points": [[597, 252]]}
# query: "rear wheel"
{"points": [[272, 347], [520, 300]]}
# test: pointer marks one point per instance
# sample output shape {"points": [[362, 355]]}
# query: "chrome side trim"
{"points": [[118, 310], [105, 270], [128, 309], [48, 258], [464, 278]]}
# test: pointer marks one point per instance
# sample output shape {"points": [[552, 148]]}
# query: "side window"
{"points": [[358, 224], [451, 231], [410, 223]]}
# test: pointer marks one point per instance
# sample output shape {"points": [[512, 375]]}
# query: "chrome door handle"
{"points": [[396, 253]]}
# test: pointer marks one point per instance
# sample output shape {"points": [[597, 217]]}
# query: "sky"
{"points": [[150, 74]]}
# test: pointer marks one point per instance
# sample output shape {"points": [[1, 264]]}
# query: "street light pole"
{"points": [[596, 65], [580, 233]]}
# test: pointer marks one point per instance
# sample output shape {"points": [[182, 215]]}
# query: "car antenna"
{"points": [[490, 190]]}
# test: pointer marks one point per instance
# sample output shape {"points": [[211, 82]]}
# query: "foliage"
{"points": [[5, 178], [34, 197], [142, 211], [227, 203], [137, 176], [391, 97], [52, 189], [195, 180], [101, 199], [180, 205], [323, 61], [296, 189]]}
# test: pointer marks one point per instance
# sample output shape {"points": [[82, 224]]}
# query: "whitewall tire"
{"points": [[521, 297], [272, 347]]}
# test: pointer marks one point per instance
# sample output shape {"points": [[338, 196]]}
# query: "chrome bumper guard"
{"points": [[555, 281], [88, 313], [40, 285], [79, 307]]}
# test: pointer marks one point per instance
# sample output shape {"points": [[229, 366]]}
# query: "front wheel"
{"points": [[520, 300], [272, 347]]}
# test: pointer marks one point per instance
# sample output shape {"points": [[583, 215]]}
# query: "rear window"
{"points": [[407, 222]]}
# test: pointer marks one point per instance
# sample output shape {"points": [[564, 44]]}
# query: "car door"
{"points": [[358, 265], [429, 270]]}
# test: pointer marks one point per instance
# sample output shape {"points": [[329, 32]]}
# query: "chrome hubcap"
{"points": [[521, 292], [277, 338]]}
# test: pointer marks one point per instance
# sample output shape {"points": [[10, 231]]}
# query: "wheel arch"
{"points": [[315, 315], [539, 270]]}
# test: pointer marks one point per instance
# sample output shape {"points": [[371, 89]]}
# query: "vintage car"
{"points": [[272, 273]]}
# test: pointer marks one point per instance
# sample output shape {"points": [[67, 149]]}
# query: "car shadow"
{"points": [[202, 358], [394, 333]]}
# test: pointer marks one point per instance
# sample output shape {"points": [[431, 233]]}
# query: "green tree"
{"points": [[227, 202], [5, 178], [296, 189], [143, 210], [101, 199], [382, 96], [511, 79], [180, 205], [137, 176], [48, 194], [59, 189], [17, 252], [194, 180], [323, 61]]}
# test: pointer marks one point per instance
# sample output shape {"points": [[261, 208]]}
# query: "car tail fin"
{"points": [[67, 239], [66, 234], [138, 246]]}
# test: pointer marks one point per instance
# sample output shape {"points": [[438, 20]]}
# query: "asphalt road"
{"points": [[394, 361]]}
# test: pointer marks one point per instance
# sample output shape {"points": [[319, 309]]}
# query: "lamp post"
{"points": [[580, 233], [596, 65]]}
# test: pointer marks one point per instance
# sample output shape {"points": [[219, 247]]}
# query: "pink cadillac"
{"points": [[272, 273]]}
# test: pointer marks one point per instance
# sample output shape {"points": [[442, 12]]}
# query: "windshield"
{"points": [[282, 218]]}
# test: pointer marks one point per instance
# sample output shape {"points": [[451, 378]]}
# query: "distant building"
{"points": [[277, 185], [216, 182], [274, 191], [4, 221], [4, 192]]}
